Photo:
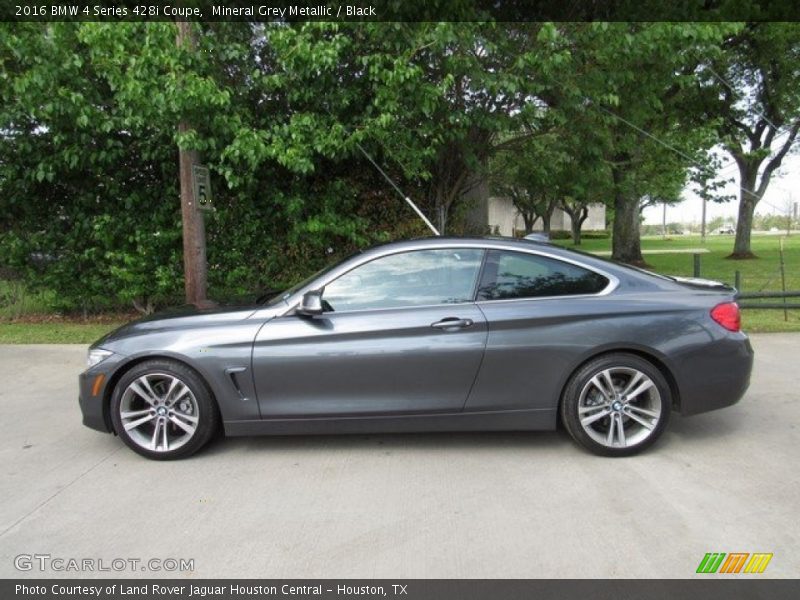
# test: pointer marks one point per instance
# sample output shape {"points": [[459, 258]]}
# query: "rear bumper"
{"points": [[716, 376]]}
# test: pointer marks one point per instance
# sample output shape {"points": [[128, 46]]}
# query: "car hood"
{"points": [[184, 317]]}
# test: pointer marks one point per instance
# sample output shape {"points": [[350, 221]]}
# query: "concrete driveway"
{"points": [[402, 506]]}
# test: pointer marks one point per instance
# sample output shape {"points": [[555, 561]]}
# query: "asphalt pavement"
{"points": [[495, 505]]}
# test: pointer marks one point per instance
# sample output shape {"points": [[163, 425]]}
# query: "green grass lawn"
{"points": [[22, 321], [28, 317], [53, 333]]}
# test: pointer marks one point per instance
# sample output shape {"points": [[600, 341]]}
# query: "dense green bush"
{"points": [[90, 206], [595, 234]]}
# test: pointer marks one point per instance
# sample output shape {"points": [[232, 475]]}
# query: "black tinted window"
{"points": [[509, 275]]}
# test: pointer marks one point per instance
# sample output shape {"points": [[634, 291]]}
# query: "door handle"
{"points": [[452, 323]]}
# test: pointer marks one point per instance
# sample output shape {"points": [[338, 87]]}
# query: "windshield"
{"points": [[283, 296]]}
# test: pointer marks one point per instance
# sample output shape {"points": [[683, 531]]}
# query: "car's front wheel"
{"points": [[163, 410], [616, 405]]}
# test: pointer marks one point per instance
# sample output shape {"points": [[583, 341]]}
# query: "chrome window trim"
{"points": [[613, 282], [374, 254]]}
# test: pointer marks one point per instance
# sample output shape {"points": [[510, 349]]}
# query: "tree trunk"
{"points": [[744, 225], [194, 232], [441, 208], [546, 222], [752, 190], [547, 216], [576, 224], [577, 216], [441, 213], [626, 244], [747, 206], [529, 220]]}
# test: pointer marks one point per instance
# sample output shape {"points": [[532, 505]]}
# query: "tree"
{"points": [[433, 100], [83, 208], [753, 88], [88, 148], [552, 169], [584, 183], [584, 179], [709, 186], [529, 175], [88, 145], [630, 86]]}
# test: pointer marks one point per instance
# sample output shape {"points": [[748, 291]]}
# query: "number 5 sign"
{"points": [[201, 186]]}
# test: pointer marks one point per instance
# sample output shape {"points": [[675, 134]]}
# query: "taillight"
{"points": [[727, 315]]}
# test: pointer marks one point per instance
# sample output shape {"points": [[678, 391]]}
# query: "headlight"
{"points": [[96, 356]]}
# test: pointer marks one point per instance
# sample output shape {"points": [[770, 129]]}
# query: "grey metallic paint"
{"points": [[274, 371]]}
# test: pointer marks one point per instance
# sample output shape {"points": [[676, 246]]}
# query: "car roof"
{"points": [[474, 241], [627, 274]]}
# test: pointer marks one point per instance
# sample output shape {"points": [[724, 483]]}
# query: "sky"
{"points": [[785, 185]]}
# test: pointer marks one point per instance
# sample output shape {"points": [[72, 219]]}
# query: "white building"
{"points": [[503, 218]]}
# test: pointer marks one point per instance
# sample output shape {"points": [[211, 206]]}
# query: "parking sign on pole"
{"points": [[201, 181]]}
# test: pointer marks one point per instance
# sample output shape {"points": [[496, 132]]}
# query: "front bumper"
{"points": [[93, 387]]}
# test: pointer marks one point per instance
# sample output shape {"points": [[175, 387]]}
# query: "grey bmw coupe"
{"points": [[438, 334]]}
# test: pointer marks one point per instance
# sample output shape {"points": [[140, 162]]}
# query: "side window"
{"points": [[417, 278], [508, 275]]}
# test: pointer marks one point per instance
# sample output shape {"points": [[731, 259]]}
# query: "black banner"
{"points": [[408, 589], [401, 10]]}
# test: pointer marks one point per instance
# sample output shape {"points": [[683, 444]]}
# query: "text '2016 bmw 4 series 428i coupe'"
{"points": [[438, 334]]}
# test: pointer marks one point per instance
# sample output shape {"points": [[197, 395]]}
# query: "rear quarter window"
{"points": [[509, 275]]}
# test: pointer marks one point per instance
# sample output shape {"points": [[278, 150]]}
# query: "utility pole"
{"points": [[664, 223], [703, 218], [194, 230]]}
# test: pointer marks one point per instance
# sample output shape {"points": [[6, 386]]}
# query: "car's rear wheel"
{"points": [[616, 405], [163, 410]]}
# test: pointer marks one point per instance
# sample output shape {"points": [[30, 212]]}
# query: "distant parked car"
{"points": [[725, 231], [538, 237], [438, 334]]}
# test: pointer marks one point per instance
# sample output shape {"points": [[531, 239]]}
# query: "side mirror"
{"points": [[311, 304]]}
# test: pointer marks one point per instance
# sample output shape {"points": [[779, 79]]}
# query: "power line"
{"points": [[697, 164], [732, 163], [755, 109], [731, 88], [652, 137]]}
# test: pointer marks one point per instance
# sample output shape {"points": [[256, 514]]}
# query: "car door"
{"points": [[400, 334], [542, 313]]}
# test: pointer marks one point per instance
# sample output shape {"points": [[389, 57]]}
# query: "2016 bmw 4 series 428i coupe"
{"points": [[439, 334]]}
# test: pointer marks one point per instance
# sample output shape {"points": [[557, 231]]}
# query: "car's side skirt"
{"points": [[511, 420]]}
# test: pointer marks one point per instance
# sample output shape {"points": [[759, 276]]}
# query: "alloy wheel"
{"points": [[620, 407], [159, 412]]}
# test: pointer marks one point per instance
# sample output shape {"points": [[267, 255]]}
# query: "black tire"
{"points": [[616, 364], [204, 406]]}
